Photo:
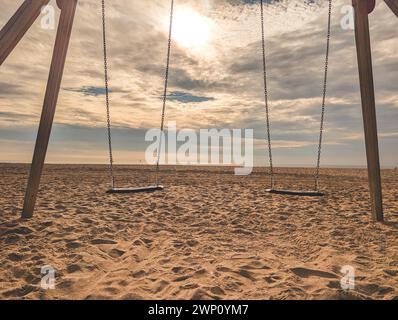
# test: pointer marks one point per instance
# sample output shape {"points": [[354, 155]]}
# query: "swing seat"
{"points": [[135, 190], [296, 193]]}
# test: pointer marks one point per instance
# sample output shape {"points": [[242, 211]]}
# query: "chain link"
{"points": [[271, 167], [166, 82], [106, 79], [321, 129], [325, 81]]}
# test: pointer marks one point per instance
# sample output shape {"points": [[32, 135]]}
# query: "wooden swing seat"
{"points": [[136, 190], [296, 193]]}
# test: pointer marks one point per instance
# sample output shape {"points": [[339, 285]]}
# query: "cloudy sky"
{"points": [[215, 80]]}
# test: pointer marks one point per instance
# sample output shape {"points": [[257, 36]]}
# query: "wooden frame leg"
{"points": [[17, 26], [368, 105], [68, 8]]}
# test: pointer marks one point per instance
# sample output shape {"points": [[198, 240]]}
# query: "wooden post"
{"points": [[362, 38], [68, 8], [393, 5], [17, 26]]}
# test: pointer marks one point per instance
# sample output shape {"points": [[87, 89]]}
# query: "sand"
{"points": [[210, 235]]}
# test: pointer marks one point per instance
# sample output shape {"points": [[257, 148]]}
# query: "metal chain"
{"points": [[271, 168], [325, 80], [166, 82], [108, 117], [323, 97]]}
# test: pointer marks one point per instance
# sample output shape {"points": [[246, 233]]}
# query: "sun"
{"points": [[191, 29]]}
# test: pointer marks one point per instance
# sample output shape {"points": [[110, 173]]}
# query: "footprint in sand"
{"points": [[131, 296], [241, 272], [217, 291], [200, 294], [246, 274], [372, 288], [73, 245], [192, 242], [334, 284], [20, 292], [201, 272], [12, 239], [15, 257], [272, 278], [182, 278], [392, 273], [223, 269], [256, 265], [73, 268], [139, 274], [19, 230], [116, 253], [306, 273], [60, 207], [148, 242], [87, 220], [160, 286], [103, 241], [177, 269], [189, 286]]}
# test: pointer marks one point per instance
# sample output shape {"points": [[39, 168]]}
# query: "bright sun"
{"points": [[191, 29]]}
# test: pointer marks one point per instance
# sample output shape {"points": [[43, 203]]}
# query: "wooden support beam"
{"points": [[393, 5], [17, 26], [362, 38], [68, 8]]}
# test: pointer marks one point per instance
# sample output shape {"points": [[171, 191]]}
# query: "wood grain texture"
{"points": [[362, 38], [68, 9], [16, 27]]}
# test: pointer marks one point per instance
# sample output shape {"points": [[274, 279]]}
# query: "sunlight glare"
{"points": [[191, 29]]}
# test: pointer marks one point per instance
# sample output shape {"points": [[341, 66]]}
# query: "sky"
{"points": [[215, 80]]}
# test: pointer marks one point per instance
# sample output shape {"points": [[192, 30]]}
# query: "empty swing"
{"points": [[156, 186], [316, 191]]}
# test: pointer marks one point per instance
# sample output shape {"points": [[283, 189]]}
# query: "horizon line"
{"points": [[329, 166]]}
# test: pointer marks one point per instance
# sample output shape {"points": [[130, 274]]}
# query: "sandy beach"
{"points": [[209, 235]]}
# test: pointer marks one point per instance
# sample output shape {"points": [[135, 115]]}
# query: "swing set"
{"points": [[156, 187], [28, 12]]}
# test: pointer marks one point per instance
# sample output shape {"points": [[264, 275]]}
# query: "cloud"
{"points": [[14, 116], [224, 80], [185, 97], [89, 91]]}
